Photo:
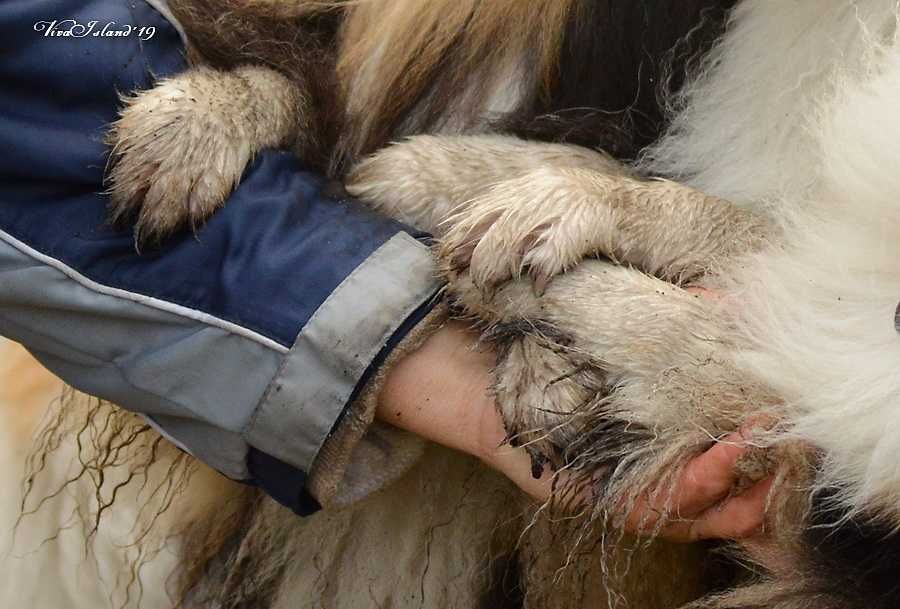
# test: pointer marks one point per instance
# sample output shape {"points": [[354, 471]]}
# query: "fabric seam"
{"points": [[141, 299]]}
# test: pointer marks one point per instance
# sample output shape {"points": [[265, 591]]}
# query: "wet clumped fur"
{"points": [[641, 373], [334, 81]]}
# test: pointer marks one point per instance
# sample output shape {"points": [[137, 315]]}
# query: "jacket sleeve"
{"points": [[243, 344]]}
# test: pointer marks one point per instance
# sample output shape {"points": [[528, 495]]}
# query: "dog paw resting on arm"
{"points": [[610, 374], [179, 149], [262, 76]]}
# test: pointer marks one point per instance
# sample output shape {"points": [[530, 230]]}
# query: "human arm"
{"points": [[441, 392], [244, 344]]}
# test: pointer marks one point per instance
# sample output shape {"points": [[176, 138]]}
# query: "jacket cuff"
{"points": [[335, 348], [361, 456]]}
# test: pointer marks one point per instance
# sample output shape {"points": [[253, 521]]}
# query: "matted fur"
{"points": [[796, 138], [227, 546], [295, 38], [814, 142]]}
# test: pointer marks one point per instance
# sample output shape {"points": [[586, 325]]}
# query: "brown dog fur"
{"points": [[408, 101]]}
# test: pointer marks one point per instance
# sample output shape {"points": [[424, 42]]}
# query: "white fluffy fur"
{"points": [[746, 129], [798, 114]]}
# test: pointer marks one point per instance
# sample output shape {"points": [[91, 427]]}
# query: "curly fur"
{"points": [[218, 544], [89, 457], [641, 373]]}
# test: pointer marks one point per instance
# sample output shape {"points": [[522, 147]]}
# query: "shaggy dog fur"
{"points": [[336, 81], [254, 553], [790, 118]]}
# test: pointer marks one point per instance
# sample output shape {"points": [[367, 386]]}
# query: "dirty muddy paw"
{"points": [[545, 222], [533, 225], [171, 166], [179, 150], [541, 393]]}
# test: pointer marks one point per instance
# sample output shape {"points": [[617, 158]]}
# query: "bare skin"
{"points": [[440, 392]]}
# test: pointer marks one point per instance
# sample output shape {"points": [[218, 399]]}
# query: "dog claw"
{"points": [[540, 284]]}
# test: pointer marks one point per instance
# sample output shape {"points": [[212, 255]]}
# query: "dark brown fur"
{"points": [[303, 46], [602, 68], [618, 63]]}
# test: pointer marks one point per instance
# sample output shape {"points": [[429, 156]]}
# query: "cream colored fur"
{"points": [[32, 551], [794, 117], [815, 140], [636, 350], [179, 149]]}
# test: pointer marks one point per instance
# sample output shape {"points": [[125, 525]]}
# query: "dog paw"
{"points": [[543, 223], [172, 162], [179, 150], [542, 392], [540, 225]]}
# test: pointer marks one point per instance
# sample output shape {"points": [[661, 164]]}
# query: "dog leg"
{"points": [[425, 179], [613, 374], [546, 221], [504, 206]]}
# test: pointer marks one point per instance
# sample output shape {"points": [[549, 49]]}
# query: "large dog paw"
{"points": [[424, 179], [613, 375], [534, 224], [542, 392], [543, 223], [179, 149], [171, 167]]}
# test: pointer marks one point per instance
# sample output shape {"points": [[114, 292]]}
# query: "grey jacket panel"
{"points": [[210, 444], [214, 388], [337, 345], [162, 360]]}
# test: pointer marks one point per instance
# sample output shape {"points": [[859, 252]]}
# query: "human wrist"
{"points": [[439, 390], [442, 393]]}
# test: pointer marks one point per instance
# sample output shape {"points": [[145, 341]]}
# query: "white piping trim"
{"points": [[158, 429], [148, 301], [162, 7]]}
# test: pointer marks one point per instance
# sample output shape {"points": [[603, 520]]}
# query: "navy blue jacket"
{"points": [[242, 344]]}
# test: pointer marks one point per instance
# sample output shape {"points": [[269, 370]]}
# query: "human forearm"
{"points": [[442, 392]]}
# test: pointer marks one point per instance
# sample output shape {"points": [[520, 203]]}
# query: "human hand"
{"points": [[703, 496], [704, 500], [441, 392]]}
